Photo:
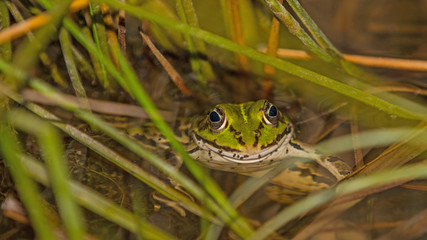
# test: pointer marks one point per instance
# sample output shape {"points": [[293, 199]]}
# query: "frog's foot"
{"points": [[178, 187], [172, 204]]}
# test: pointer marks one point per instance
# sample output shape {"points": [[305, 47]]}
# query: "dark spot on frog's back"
{"points": [[240, 139], [260, 126], [234, 130], [256, 140]]}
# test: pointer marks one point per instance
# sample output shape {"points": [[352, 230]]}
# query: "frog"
{"points": [[250, 138]]}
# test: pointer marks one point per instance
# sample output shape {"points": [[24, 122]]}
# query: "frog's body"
{"points": [[252, 137]]}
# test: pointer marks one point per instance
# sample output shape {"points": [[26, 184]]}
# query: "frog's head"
{"points": [[246, 136]]}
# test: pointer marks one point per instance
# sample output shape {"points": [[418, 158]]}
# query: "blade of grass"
{"points": [[66, 45], [96, 203], [97, 65], [53, 153], [225, 18], [194, 59], [173, 74], [168, 39], [27, 189], [314, 30], [83, 65], [100, 36], [5, 48], [199, 44], [53, 68], [294, 28], [324, 42], [372, 138], [285, 66], [28, 52], [188, 15]]}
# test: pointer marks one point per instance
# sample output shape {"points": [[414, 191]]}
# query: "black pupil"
{"points": [[214, 117], [272, 112]]}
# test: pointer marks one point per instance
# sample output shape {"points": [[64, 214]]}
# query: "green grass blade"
{"points": [[53, 68], [194, 60], [294, 28], [199, 44], [324, 42], [100, 36], [314, 30], [27, 189], [372, 138], [53, 153], [6, 48], [28, 52], [66, 45]]}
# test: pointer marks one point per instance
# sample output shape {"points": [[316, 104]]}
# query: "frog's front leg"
{"points": [[305, 177]]}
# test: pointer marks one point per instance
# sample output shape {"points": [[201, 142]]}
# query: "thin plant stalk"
{"points": [[100, 36], [26, 57], [294, 28], [195, 61], [25, 186], [66, 45], [5, 48], [44, 58], [53, 153], [323, 41]]}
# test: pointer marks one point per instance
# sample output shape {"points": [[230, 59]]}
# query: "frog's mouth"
{"points": [[241, 157]]}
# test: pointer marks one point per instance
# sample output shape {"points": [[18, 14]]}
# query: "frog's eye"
{"points": [[273, 111], [217, 119], [270, 114]]}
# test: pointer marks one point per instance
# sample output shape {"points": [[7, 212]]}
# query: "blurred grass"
{"points": [[107, 60], [53, 153], [26, 187]]}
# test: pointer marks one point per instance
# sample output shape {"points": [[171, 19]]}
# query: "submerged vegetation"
{"points": [[70, 68]]}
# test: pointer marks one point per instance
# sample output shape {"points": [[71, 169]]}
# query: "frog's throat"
{"points": [[240, 157]]}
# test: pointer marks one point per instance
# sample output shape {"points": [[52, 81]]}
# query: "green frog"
{"points": [[250, 138]]}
